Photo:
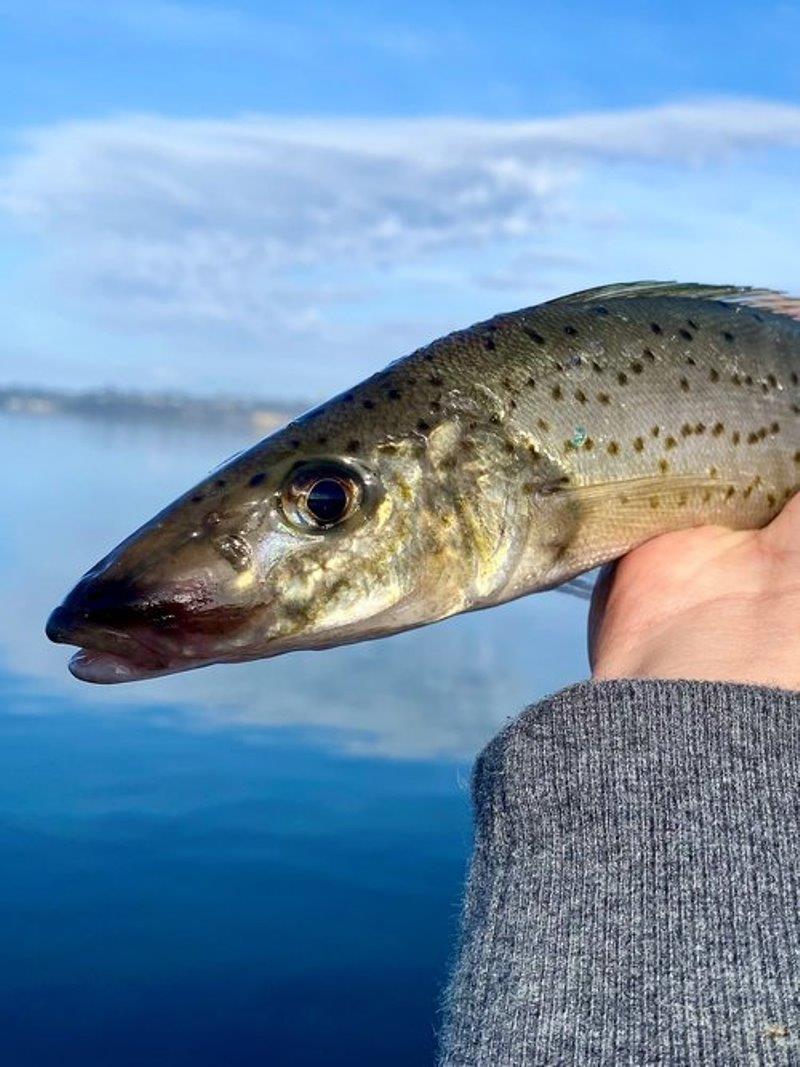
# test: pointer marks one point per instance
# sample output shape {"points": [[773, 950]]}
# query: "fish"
{"points": [[497, 461]]}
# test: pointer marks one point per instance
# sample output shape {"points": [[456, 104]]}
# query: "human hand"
{"points": [[710, 604]]}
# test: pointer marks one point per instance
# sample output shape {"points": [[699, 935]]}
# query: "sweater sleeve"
{"points": [[634, 889]]}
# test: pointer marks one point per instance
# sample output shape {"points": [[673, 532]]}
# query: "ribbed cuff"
{"points": [[633, 896]]}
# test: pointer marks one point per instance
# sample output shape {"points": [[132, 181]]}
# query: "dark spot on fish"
{"points": [[699, 427], [597, 367], [354, 445], [713, 472], [588, 444], [322, 440], [648, 355], [764, 388], [543, 424], [772, 381], [762, 433], [534, 451], [580, 396], [534, 335], [748, 380], [622, 378], [654, 502], [428, 357], [531, 382], [728, 336], [752, 438], [495, 418], [685, 384], [488, 344], [746, 492], [220, 483], [692, 325], [663, 466], [713, 375], [197, 498], [557, 393], [509, 447], [686, 335], [257, 479], [604, 398], [690, 362], [719, 428], [508, 384], [569, 445], [638, 444], [423, 426], [736, 379], [436, 380], [570, 331], [681, 500], [513, 405], [600, 309], [794, 378], [295, 443], [656, 430], [435, 405], [348, 398], [757, 316], [686, 430], [670, 442], [612, 448], [368, 404], [787, 492], [775, 427], [655, 327], [729, 492], [796, 409], [637, 367], [736, 437], [394, 394]]}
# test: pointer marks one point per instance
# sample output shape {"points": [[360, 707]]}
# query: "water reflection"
{"points": [[76, 488]]}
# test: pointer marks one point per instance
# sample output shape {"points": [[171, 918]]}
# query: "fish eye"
{"points": [[320, 496]]}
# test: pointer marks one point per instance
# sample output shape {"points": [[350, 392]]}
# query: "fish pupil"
{"points": [[327, 500]]}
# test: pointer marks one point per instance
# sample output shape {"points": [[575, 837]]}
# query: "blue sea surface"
{"points": [[252, 864]]}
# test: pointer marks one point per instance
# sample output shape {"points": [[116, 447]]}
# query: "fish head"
{"points": [[310, 539]]}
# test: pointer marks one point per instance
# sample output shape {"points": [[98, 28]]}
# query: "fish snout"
{"points": [[128, 630], [95, 602]]}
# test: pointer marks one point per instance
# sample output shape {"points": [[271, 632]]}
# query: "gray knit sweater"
{"points": [[633, 895]]}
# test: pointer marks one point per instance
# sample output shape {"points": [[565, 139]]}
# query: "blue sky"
{"points": [[279, 198]]}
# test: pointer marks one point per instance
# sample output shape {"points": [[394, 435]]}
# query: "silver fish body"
{"points": [[499, 460]]}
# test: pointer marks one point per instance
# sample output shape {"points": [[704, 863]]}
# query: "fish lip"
{"points": [[129, 645], [104, 668]]}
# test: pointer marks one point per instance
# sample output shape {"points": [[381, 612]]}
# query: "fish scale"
{"points": [[499, 460]]}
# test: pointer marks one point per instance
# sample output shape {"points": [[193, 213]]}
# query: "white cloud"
{"points": [[254, 225]]}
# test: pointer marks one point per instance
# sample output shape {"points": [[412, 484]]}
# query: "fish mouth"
{"points": [[107, 655]]}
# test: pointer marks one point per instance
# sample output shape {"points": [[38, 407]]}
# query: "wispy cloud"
{"points": [[256, 224]]}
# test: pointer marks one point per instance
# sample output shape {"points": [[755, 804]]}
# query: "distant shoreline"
{"points": [[160, 408]]}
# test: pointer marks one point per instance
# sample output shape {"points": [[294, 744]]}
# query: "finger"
{"points": [[597, 608]]}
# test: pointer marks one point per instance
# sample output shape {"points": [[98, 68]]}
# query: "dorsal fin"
{"points": [[768, 299]]}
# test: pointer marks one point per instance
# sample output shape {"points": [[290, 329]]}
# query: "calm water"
{"points": [[242, 865]]}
